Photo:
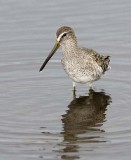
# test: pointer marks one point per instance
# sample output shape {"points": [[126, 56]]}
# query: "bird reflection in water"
{"points": [[82, 122]]}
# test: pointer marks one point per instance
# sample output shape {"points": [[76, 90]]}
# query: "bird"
{"points": [[82, 65]]}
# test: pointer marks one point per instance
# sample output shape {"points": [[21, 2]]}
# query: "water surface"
{"points": [[39, 116]]}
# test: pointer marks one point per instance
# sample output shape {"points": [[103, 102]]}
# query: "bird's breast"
{"points": [[79, 67]]}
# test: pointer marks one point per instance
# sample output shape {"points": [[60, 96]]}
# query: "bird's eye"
{"points": [[61, 36], [64, 35]]}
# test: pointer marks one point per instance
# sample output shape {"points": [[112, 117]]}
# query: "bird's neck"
{"points": [[69, 47]]}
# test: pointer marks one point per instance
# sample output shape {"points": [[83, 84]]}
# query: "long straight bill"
{"points": [[56, 46]]}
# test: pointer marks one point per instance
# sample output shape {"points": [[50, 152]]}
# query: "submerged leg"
{"points": [[74, 90]]}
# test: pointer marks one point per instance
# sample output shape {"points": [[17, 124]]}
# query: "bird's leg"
{"points": [[74, 86], [74, 90], [90, 85]]}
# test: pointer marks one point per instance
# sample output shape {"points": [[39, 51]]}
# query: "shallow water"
{"points": [[39, 117]]}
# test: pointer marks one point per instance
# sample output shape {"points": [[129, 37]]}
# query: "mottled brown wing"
{"points": [[102, 61]]}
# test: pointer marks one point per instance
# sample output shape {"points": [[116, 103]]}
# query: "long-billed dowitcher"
{"points": [[83, 65]]}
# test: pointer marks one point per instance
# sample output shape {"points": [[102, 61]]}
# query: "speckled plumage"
{"points": [[83, 65]]}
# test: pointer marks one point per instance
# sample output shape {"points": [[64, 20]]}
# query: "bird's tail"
{"points": [[106, 63]]}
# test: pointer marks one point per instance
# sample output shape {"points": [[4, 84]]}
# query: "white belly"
{"points": [[81, 74]]}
